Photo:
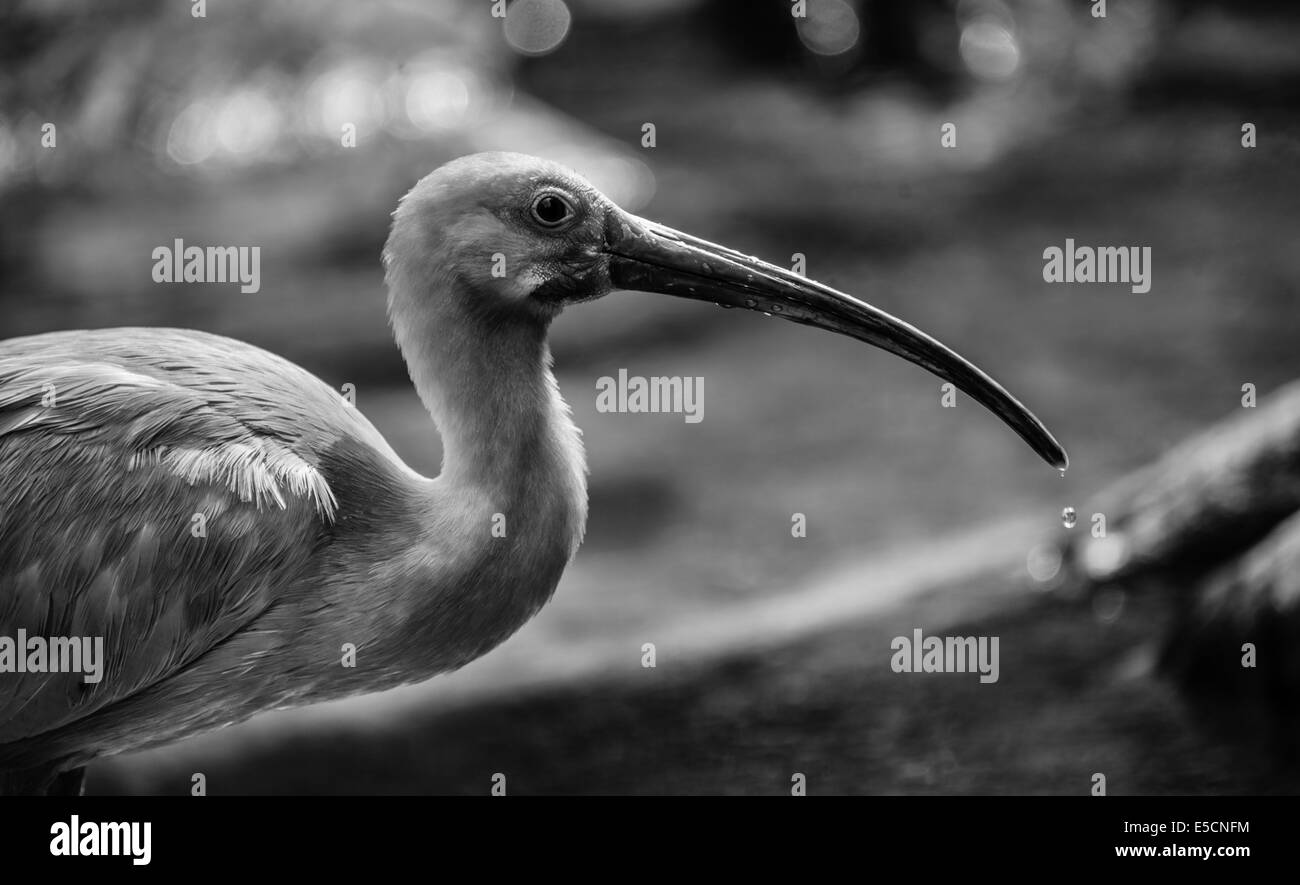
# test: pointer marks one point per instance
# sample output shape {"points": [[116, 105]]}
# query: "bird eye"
{"points": [[551, 210]]}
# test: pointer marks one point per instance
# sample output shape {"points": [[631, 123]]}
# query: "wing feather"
{"points": [[159, 493]]}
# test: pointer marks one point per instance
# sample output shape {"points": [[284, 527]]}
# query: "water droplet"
{"points": [[1069, 517], [776, 308], [766, 314], [750, 302], [1062, 473], [725, 306]]}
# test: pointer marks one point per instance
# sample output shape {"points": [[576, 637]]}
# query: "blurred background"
{"points": [[296, 126]]}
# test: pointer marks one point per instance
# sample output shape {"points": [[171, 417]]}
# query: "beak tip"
{"points": [[1060, 460]]}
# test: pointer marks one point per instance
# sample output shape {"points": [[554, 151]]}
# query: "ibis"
{"points": [[226, 525]]}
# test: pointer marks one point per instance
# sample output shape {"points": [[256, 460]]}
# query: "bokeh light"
{"points": [[436, 99], [192, 137], [348, 93], [247, 123], [831, 27], [1108, 604], [1044, 563], [537, 27], [1103, 557], [989, 50]]}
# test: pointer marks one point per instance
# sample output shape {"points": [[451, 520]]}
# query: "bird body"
{"points": [[234, 530], [316, 536]]}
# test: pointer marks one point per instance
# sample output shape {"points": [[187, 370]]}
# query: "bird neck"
{"points": [[509, 444], [508, 511]]}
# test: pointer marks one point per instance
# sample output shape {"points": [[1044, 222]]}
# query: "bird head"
{"points": [[523, 237], [520, 236]]}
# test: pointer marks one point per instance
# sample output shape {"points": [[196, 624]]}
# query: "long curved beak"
{"points": [[649, 257]]}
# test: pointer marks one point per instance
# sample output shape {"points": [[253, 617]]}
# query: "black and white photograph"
{"points": [[632, 398]]}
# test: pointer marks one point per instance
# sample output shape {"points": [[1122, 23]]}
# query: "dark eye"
{"points": [[551, 210]]}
